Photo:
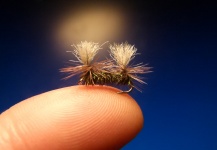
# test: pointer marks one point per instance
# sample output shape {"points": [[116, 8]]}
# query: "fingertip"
{"points": [[77, 117]]}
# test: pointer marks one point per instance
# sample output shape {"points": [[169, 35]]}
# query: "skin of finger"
{"points": [[77, 117]]}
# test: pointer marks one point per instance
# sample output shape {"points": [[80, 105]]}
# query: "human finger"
{"points": [[77, 117]]}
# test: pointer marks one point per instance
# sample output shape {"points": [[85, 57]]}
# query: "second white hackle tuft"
{"points": [[122, 53]]}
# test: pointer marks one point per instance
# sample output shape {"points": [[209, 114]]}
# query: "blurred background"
{"points": [[177, 38]]}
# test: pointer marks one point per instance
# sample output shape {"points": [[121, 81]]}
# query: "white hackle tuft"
{"points": [[86, 51], [122, 53]]}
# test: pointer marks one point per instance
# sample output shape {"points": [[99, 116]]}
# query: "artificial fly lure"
{"points": [[91, 72], [123, 73], [110, 71]]}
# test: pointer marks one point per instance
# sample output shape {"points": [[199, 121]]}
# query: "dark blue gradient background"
{"points": [[177, 38]]}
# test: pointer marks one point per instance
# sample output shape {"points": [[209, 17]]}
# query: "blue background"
{"points": [[177, 38]]}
